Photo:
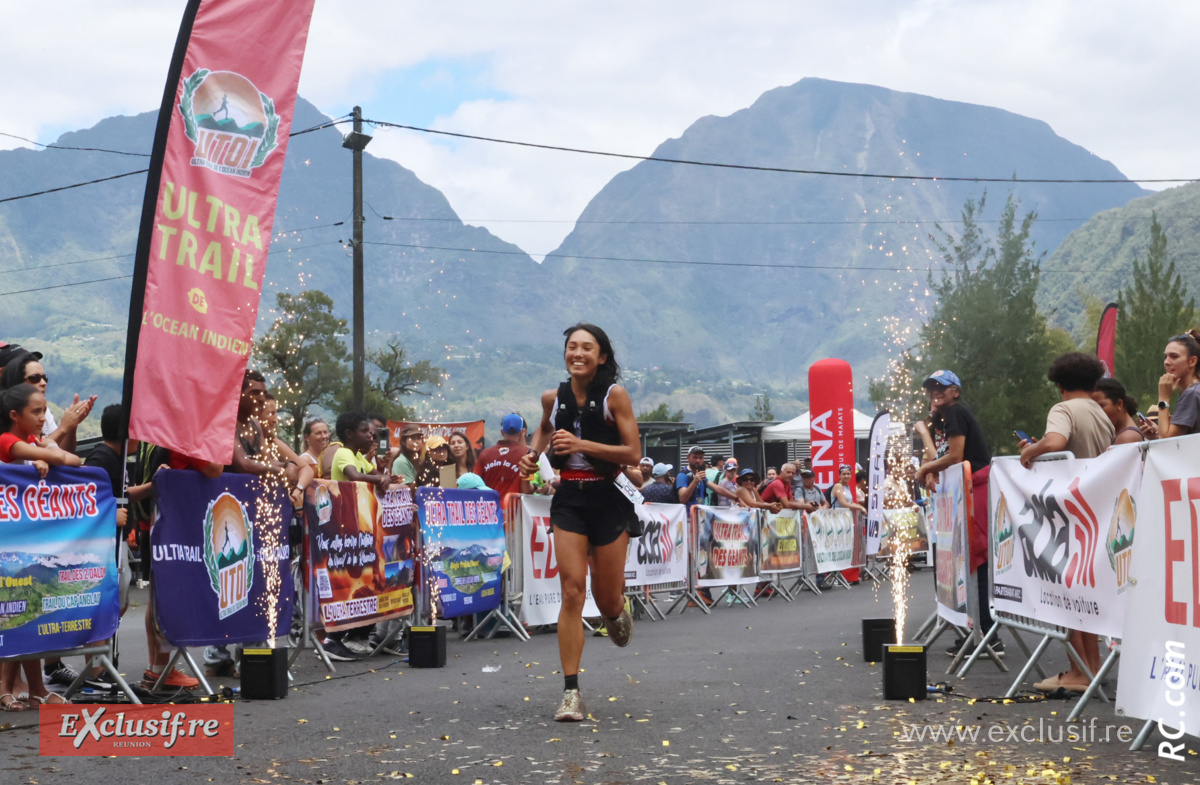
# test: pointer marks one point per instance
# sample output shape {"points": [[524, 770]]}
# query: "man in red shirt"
{"points": [[499, 465], [780, 489]]}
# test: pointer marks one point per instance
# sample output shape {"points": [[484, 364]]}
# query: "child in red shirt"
{"points": [[22, 415]]}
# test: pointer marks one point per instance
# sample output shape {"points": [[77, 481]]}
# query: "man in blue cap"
{"points": [[958, 437], [499, 465]]}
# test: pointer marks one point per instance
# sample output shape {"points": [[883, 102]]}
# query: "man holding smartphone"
{"points": [[958, 437]]}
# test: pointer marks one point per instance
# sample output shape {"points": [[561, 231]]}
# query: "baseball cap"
{"points": [[662, 468], [435, 441], [747, 473], [944, 378], [10, 351], [807, 473], [471, 482], [512, 423], [645, 460], [696, 449], [730, 466], [411, 430]]}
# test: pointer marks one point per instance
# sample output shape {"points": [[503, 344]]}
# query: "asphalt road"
{"points": [[774, 693]]}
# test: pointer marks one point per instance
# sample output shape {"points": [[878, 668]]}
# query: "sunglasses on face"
{"points": [[37, 378]]}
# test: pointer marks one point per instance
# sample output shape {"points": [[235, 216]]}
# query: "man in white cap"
{"points": [[646, 468], [662, 490]]}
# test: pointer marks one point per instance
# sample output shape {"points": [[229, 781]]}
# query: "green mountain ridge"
{"points": [[740, 279]]}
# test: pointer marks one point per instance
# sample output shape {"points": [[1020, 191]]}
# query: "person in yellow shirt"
{"points": [[350, 463]]}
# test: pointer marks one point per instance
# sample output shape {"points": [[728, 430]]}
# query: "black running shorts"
{"points": [[596, 509]]}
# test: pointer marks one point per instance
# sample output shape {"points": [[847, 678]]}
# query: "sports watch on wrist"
{"points": [[1163, 405]]}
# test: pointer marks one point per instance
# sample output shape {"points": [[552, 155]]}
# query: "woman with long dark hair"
{"points": [[589, 432], [462, 452]]}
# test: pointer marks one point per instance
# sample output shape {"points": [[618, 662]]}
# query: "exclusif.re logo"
{"points": [[232, 124], [229, 553], [94, 729]]}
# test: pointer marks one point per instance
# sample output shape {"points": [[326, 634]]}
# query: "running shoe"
{"points": [[336, 650], [395, 648], [176, 680], [60, 674], [359, 646], [620, 629], [571, 709]]}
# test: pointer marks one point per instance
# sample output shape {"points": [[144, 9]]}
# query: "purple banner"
{"points": [[221, 564]]}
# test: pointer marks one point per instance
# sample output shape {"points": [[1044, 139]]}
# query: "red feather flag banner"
{"points": [[1106, 339], [207, 218]]}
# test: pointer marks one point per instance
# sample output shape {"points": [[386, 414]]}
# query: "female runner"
{"points": [[589, 431]]}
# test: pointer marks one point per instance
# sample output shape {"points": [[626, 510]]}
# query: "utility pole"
{"points": [[356, 141]]}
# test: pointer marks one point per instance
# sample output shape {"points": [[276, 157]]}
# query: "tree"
{"points": [[762, 408], [303, 357], [395, 376], [1153, 307], [986, 326], [661, 413]]}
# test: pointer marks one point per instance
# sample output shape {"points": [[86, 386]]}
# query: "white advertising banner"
{"points": [[1159, 676], [726, 546], [660, 554], [876, 477], [542, 597], [951, 521], [831, 533], [1062, 537]]}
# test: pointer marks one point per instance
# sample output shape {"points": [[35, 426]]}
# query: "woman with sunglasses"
{"points": [[26, 368]]}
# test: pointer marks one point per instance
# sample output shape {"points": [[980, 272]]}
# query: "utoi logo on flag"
{"points": [[229, 553], [233, 125]]}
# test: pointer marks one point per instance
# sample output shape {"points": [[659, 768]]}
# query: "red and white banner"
{"points": [[831, 420], [1159, 676], [660, 554], [202, 252], [542, 592], [1062, 538]]}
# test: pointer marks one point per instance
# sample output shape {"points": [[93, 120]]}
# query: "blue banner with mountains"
{"points": [[58, 559], [463, 535]]}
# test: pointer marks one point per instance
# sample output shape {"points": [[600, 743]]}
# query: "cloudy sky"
{"points": [[1115, 77]]}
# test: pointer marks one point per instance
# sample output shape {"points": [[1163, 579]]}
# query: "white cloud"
{"points": [[1111, 76]]}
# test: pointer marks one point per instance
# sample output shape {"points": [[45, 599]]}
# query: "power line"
{"points": [[65, 285], [64, 264], [706, 263], [66, 147], [129, 174], [905, 221], [784, 170], [75, 185]]}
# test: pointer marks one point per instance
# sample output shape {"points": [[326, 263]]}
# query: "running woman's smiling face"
{"points": [[583, 355]]}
